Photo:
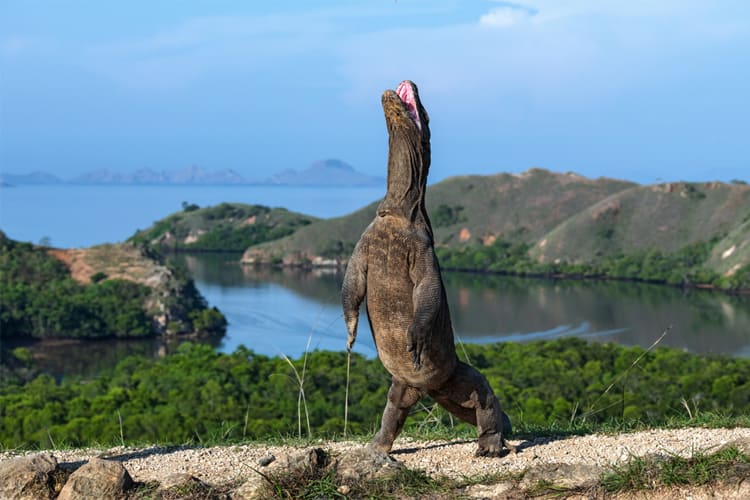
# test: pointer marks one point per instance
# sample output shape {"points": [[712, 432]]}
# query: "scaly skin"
{"points": [[395, 269]]}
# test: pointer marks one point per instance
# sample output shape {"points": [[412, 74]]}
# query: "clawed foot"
{"points": [[493, 445], [381, 444]]}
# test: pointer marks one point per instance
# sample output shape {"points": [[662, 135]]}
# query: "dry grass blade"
{"points": [[463, 349], [592, 411], [301, 400], [346, 391], [122, 436]]}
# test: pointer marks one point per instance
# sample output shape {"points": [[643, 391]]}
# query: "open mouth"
{"points": [[405, 91]]}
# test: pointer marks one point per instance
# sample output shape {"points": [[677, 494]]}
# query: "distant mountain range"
{"points": [[28, 179], [330, 172], [325, 172]]}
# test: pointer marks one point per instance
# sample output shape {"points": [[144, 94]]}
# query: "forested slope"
{"points": [[98, 292], [199, 395]]}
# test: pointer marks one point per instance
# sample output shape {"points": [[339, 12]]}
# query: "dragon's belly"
{"points": [[390, 292], [390, 313]]}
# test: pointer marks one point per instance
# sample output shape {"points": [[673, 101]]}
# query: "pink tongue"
{"points": [[406, 93]]}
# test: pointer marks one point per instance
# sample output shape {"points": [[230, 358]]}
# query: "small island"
{"points": [[227, 227]]}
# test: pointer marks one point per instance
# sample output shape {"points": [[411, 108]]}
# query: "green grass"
{"points": [[652, 472], [192, 491], [413, 430]]}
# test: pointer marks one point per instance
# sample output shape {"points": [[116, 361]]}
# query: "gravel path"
{"points": [[220, 465]]}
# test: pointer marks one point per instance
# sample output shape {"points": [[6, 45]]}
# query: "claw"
{"points": [[415, 345], [493, 445]]}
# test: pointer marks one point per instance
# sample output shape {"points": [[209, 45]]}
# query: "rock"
{"points": [[304, 462], [742, 490], [254, 488], [364, 464], [182, 483], [178, 479], [97, 479], [353, 466], [568, 476], [28, 477], [498, 490]]}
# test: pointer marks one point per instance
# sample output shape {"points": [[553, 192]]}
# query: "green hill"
{"points": [[524, 207], [328, 241], [228, 227], [664, 217], [464, 210], [540, 222]]}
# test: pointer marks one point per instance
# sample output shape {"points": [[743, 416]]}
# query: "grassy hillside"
{"points": [[665, 217], [524, 207], [732, 253], [545, 223], [328, 239], [463, 210], [226, 227]]}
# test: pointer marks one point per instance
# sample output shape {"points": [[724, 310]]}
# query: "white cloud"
{"points": [[505, 16], [547, 50]]}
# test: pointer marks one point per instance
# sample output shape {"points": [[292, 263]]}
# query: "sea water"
{"points": [[71, 216]]}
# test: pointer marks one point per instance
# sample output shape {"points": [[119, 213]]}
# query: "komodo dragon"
{"points": [[394, 266]]}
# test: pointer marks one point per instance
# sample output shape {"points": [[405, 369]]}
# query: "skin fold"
{"points": [[394, 269]]}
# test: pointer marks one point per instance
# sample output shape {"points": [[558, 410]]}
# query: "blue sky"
{"points": [[639, 90]]}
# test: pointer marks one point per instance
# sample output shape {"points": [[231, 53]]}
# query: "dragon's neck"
{"points": [[408, 166]]}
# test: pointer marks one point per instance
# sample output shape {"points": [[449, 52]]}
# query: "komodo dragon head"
{"points": [[408, 154]]}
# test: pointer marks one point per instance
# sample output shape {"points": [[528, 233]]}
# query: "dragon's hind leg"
{"points": [[468, 396], [401, 397]]}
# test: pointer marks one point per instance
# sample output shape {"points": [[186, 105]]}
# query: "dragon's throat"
{"points": [[406, 183], [406, 92]]}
